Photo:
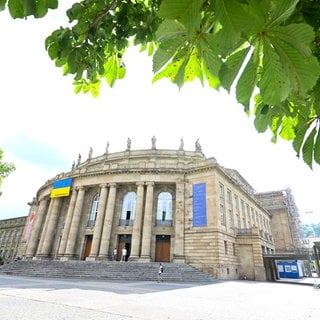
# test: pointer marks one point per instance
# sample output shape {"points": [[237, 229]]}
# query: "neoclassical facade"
{"points": [[161, 205], [11, 233]]}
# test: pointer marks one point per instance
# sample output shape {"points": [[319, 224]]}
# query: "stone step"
{"points": [[174, 272]]}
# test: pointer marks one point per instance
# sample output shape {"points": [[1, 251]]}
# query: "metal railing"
{"points": [[125, 222], [164, 223]]}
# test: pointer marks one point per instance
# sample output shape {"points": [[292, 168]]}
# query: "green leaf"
{"points": [[233, 19], [307, 149], [298, 36], [281, 11], [299, 138], [247, 82], [316, 154], [192, 19], [3, 4], [166, 51], [231, 68], [170, 71], [302, 72], [175, 9], [41, 8], [95, 88], [262, 117], [193, 69], [16, 8], [113, 70], [29, 7], [274, 86], [287, 128], [52, 4], [206, 47]]}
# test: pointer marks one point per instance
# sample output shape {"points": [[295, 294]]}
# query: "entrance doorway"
{"points": [[162, 248], [124, 241], [88, 245]]}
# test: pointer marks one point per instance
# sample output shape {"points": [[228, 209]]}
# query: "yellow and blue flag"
{"points": [[61, 188]]}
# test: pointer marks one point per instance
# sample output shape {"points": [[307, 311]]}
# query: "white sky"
{"points": [[44, 125]]}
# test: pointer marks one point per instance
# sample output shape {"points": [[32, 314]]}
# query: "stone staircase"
{"points": [[106, 270]]}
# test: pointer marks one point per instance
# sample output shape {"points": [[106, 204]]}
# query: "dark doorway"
{"points": [[88, 245], [162, 248], [124, 241]]}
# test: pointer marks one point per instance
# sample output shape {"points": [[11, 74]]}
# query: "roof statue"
{"points": [[198, 146], [181, 144], [128, 144], [153, 142]]}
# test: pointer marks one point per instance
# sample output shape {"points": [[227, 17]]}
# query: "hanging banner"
{"points": [[29, 225], [61, 188], [199, 205]]}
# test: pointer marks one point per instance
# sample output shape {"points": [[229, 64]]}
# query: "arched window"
{"points": [[128, 208], [164, 209], [94, 211]]}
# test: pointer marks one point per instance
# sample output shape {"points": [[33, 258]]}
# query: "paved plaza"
{"points": [[63, 299]]}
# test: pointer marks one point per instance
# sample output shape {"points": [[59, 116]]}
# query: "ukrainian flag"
{"points": [[61, 188]]}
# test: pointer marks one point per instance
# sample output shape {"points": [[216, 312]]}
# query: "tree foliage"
{"points": [[265, 51], [5, 168]]}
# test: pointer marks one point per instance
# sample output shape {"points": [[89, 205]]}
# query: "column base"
{"points": [[91, 258], [68, 257], [144, 259], [103, 258], [42, 257], [134, 258]]}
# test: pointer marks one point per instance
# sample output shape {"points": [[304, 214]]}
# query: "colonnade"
{"points": [[42, 237]]}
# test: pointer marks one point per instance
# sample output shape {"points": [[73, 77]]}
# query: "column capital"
{"points": [[150, 183], [79, 188], [112, 184], [103, 185], [139, 183]]}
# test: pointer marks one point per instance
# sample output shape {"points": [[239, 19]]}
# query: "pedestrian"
{"points": [[160, 271], [115, 254], [123, 254]]}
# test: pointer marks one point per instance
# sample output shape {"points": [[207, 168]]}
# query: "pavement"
{"points": [[72, 299]]}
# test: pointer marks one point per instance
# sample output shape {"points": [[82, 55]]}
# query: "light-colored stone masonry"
{"points": [[230, 244]]}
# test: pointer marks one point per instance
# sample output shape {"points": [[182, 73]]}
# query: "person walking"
{"points": [[123, 254], [160, 271], [115, 254]]}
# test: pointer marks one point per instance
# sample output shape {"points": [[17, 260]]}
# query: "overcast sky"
{"points": [[44, 125]]}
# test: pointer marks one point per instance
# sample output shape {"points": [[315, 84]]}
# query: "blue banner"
{"points": [[199, 205]]}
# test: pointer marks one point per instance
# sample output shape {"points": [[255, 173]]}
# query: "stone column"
{"points": [[97, 232], [36, 228], [73, 233], [108, 221], [136, 230], [258, 265], [44, 229], [147, 224], [178, 250], [67, 223], [51, 228]]}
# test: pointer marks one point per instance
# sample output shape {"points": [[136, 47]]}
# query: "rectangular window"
{"points": [[238, 221], [229, 196], [222, 215], [236, 202], [248, 216], [221, 190], [225, 247], [230, 214], [253, 218], [234, 249]]}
